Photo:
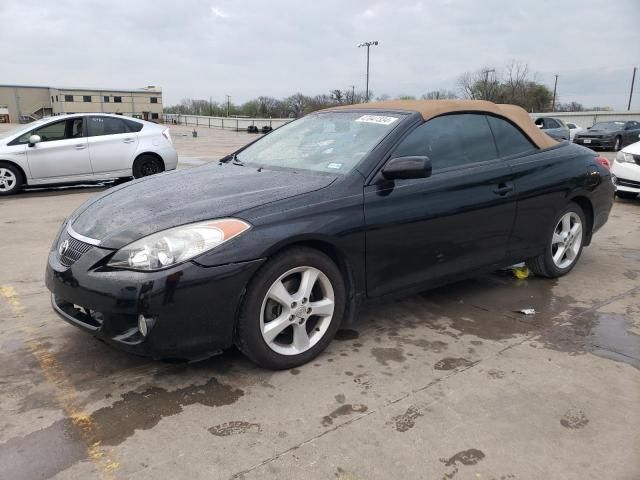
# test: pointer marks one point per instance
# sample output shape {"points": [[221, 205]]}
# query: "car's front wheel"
{"points": [[10, 179], [292, 309], [565, 243], [617, 144]]}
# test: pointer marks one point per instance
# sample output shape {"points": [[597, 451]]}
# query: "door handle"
{"points": [[80, 147], [503, 189], [129, 140]]}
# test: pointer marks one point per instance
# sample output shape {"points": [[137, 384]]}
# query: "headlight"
{"points": [[176, 245], [623, 157]]}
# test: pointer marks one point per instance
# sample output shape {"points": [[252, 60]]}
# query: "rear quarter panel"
{"points": [[545, 183]]}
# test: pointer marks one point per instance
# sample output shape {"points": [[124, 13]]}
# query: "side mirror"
{"points": [[407, 167], [33, 139], [539, 125]]}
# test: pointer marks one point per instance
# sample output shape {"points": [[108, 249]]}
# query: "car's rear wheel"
{"points": [[292, 309], [626, 195], [146, 165], [10, 179], [564, 246], [617, 144]]}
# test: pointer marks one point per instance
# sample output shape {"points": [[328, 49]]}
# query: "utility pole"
{"points": [[486, 82], [368, 45], [633, 80], [353, 94], [228, 103], [555, 87]]}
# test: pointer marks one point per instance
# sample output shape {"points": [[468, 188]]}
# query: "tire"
{"points": [[283, 346], [617, 144], [11, 179], [626, 195], [547, 264], [146, 165]]}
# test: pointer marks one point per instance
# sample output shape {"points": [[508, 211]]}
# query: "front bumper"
{"points": [[627, 176], [193, 307], [595, 142]]}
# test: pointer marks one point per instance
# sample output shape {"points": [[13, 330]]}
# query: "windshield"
{"points": [[19, 129], [331, 142], [608, 126]]}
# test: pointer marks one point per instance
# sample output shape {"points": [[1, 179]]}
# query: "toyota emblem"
{"points": [[64, 246]]}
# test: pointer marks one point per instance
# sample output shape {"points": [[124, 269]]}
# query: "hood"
{"points": [[593, 131], [124, 214]]}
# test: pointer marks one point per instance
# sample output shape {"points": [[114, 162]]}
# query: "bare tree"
{"points": [[439, 95]]}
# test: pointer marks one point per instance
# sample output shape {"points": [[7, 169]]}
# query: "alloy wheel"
{"points": [[567, 240], [8, 180], [617, 144], [149, 168], [297, 310]]}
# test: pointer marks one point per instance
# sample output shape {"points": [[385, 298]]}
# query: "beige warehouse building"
{"points": [[26, 101]]}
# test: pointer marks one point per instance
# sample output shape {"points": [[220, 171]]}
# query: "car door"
{"points": [[112, 144], [62, 150], [423, 231]]}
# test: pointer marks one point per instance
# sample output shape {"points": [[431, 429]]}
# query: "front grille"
{"points": [[637, 159], [71, 249], [627, 183]]}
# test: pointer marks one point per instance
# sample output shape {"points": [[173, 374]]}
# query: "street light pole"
{"points": [[486, 82], [633, 80], [228, 103], [555, 86], [368, 45]]}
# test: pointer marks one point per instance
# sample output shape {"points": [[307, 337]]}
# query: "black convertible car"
{"points": [[277, 245], [613, 135]]}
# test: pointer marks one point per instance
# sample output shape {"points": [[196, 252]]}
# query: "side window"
{"points": [[48, 133], [134, 126], [451, 141], [62, 130], [99, 126], [571, 125], [551, 123], [509, 139]]}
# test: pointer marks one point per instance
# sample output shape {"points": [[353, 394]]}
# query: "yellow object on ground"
{"points": [[521, 272]]}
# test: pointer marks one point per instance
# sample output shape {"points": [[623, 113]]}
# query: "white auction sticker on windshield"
{"points": [[381, 119]]}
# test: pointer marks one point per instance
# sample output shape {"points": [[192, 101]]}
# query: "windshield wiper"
{"points": [[236, 161], [233, 159]]}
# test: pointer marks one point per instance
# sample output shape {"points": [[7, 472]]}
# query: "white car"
{"points": [[626, 168], [83, 147], [573, 129]]}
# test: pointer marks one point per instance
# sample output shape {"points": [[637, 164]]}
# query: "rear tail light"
{"points": [[603, 161], [167, 135]]}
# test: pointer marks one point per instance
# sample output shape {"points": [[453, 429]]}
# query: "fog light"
{"points": [[144, 324]]}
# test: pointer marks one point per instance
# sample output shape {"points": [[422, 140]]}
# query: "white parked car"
{"points": [[573, 129], [626, 168], [83, 147]]}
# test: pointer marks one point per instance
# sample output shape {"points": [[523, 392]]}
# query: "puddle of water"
{"points": [[611, 338], [135, 411]]}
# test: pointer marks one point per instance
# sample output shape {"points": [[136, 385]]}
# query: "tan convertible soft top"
{"points": [[433, 108]]}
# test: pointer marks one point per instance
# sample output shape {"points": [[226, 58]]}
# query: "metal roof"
{"points": [[91, 89]]}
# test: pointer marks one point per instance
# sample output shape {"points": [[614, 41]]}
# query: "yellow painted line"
{"points": [[64, 391]]}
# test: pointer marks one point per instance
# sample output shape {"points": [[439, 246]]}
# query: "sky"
{"points": [[203, 49]]}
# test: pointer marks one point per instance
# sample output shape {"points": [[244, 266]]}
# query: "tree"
{"points": [[296, 104], [439, 95], [513, 86]]}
